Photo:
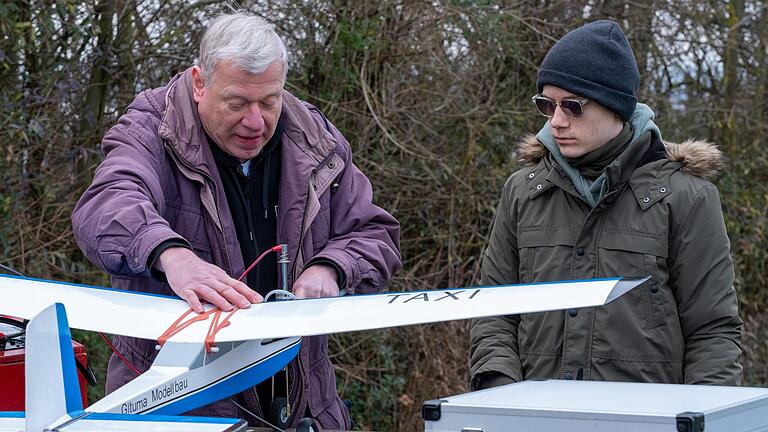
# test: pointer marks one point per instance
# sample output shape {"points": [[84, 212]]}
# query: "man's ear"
{"points": [[198, 84]]}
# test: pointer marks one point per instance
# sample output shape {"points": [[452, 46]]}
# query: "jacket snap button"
{"points": [[646, 199], [580, 251], [573, 312], [331, 165], [531, 175], [663, 190], [569, 375], [538, 187], [654, 288]]}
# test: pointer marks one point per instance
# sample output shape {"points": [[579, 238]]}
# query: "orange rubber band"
{"points": [[215, 326], [178, 325]]}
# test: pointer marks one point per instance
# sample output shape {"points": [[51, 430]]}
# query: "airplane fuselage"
{"points": [[171, 388]]}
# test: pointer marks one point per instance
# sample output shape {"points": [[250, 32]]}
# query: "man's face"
{"points": [[578, 136], [238, 109]]}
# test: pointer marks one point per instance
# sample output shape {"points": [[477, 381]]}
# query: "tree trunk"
{"points": [[98, 87], [761, 90], [730, 75]]}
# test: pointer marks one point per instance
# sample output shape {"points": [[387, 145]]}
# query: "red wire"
{"points": [[114, 350], [277, 248], [213, 330]]}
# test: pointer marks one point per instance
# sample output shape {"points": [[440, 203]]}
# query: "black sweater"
{"points": [[253, 202]]}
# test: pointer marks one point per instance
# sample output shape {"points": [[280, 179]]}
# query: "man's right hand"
{"points": [[196, 281]]}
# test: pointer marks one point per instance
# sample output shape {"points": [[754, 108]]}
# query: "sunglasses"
{"points": [[571, 107]]}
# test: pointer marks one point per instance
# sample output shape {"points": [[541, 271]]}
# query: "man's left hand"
{"points": [[319, 280]]}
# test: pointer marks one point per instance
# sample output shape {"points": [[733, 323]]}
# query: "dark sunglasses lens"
{"points": [[571, 108], [545, 106]]}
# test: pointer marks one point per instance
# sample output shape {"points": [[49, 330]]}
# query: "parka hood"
{"points": [[699, 158]]}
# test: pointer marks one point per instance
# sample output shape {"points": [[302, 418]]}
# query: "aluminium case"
{"points": [[595, 406]]}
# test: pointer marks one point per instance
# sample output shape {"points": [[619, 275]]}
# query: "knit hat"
{"points": [[594, 61]]}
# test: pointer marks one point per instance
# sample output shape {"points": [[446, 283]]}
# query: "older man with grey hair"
{"points": [[203, 175]]}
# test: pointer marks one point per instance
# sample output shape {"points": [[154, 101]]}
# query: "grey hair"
{"points": [[249, 41]]}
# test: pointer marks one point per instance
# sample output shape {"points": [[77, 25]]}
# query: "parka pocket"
{"points": [[624, 254], [637, 336], [545, 253]]}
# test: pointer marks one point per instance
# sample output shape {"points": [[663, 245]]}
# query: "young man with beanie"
{"points": [[603, 196]]}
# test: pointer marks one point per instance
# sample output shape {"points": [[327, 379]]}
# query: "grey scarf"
{"points": [[592, 192]]}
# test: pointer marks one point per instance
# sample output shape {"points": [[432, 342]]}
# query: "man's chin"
{"points": [[245, 149], [244, 156], [570, 151]]}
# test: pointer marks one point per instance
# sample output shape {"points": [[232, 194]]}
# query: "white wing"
{"points": [[148, 316], [366, 312], [92, 308]]}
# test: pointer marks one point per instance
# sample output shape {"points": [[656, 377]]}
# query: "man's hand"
{"points": [[319, 280], [195, 281]]}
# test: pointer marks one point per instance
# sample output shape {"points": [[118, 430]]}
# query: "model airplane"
{"points": [[205, 358], [52, 393]]}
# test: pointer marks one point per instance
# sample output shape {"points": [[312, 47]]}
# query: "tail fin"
{"points": [[52, 390]]}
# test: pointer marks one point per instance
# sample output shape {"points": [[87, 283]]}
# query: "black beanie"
{"points": [[594, 61]]}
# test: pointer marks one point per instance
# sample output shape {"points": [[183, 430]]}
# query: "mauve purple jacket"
{"points": [[159, 181]]}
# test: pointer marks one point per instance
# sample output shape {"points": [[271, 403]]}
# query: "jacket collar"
{"points": [[308, 131], [649, 182], [180, 124], [696, 157]]}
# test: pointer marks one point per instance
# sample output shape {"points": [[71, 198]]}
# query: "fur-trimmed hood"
{"points": [[697, 157]]}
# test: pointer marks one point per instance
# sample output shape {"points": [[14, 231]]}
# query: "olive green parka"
{"points": [[661, 218]]}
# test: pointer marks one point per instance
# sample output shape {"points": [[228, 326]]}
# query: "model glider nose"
{"points": [[624, 286]]}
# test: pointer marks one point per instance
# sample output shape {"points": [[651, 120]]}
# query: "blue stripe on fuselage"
{"points": [[232, 384], [158, 418]]}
